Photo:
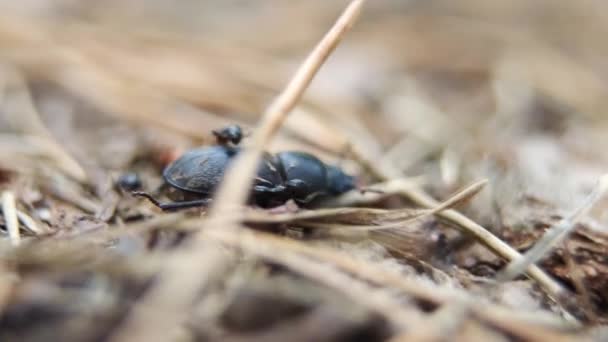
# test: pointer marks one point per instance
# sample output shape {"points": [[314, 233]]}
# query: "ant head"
{"points": [[231, 133]]}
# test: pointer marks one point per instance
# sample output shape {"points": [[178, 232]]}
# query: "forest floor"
{"points": [[480, 127]]}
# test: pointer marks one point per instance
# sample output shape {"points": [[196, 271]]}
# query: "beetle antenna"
{"points": [[147, 196]]}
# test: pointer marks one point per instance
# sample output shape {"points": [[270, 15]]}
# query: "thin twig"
{"points": [[234, 191], [554, 235], [10, 217]]}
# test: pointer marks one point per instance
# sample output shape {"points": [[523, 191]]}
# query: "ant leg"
{"points": [[185, 204], [173, 205]]}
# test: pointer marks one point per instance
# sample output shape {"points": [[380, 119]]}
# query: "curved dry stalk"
{"points": [[412, 192], [361, 215]]}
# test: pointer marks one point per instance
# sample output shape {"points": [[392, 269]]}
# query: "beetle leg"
{"points": [[262, 180], [173, 205], [266, 189]]}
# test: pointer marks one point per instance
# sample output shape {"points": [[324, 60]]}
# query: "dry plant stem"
{"points": [[390, 187], [554, 235], [159, 315], [401, 216], [460, 196], [10, 216], [396, 186], [412, 192], [29, 223], [517, 327], [71, 196], [23, 116], [235, 189], [182, 277]]}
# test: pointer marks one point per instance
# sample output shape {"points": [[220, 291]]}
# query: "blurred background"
{"points": [[449, 91], [443, 92]]}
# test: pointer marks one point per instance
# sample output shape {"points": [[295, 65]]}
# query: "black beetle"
{"points": [[300, 176]]}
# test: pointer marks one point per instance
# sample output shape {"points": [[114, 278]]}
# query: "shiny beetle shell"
{"points": [[305, 167], [201, 170]]}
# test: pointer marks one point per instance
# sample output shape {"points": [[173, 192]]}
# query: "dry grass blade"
{"points": [[381, 190], [29, 223], [358, 215], [182, 277], [412, 192], [377, 300], [18, 108], [461, 196], [10, 216], [370, 272], [554, 235], [343, 221], [69, 193]]}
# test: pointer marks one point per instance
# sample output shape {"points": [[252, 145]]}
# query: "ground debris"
{"points": [[419, 101]]}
